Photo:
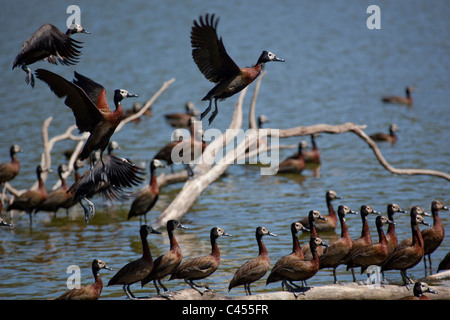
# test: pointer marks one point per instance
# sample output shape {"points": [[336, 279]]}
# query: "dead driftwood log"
{"points": [[207, 171], [348, 291]]}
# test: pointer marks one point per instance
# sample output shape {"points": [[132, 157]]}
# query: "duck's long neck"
{"points": [[296, 245], [153, 181], [146, 254], [381, 235], [331, 212], [214, 247], [98, 280], [312, 227], [344, 228], [41, 186], [173, 242], [261, 246], [391, 227], [365, 233], [417, 239], [437, 222], [119, 109]]}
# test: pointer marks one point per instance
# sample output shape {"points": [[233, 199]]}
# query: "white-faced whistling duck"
{"points": [[296, 163], [49, 43], [389, 137], [407, 257], [432, 237], [91, 292], [147, 197], [167, 263], [296, 253], [419, 289], [313, 155], [180, 119], [201, 267], [137, 270], [374, 254], [256, 268], [9, 170], [330, 221], [408, 100], [313, 217], [445, 263], [87, 99], [365, 239], [30, 200], [165, 153], [58, 198], [122, 174], [211, 57], [298, 270], [332, 255], [261, 120], [3, 223]]}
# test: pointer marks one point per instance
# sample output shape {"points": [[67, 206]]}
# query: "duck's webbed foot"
{"points": [[29, 78], [88, 212]]}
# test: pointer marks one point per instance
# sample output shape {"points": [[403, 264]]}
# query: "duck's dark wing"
{"points": [[48, 42], [86, 113], [209, 52], [96, 92]]}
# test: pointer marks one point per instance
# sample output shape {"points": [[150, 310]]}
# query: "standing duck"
{"points": [[335, 252], [407, 257], [30, 200], [432, 237], [51, 44], [256, 268], [211, 57], [165, 153], [408, 100], [296, 254], [9, 170], [330, 221], [313, 155], [147, 198], [137, 270], [87, 99], [298, 270], [374, 254], [91, 292], [391, 137], [167, 263], [313, 217], [391, 236], [201, 267], [58, 198]]}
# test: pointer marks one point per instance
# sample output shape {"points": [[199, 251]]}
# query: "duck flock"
{"points": [[110, 176]]}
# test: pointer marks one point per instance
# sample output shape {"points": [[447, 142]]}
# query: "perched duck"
{"points": [[30, 200], [122, 174], [408, 100], [58, 198], [165, 153], [211, 57], [261, 120], [335, 252], [201, 267], [432, 237], [391, 236], [146, 199], [137, 270], [49, 43], [91, 292], [419, 289], [407, 257], [330, 221], [256, 268], [167, 263], [374, 254], [87, 99], [298, 270], [365, 239], [295, 163], [391, 137], [296, 254], [180, 119], [9, 170]]}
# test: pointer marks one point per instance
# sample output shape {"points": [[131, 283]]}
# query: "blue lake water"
{"points": [[336, 71]]}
